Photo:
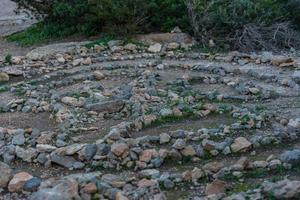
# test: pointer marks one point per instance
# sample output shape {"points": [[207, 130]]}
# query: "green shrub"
{"points": [[243, 22], [113, 16], [8, 58], [235, 24]]}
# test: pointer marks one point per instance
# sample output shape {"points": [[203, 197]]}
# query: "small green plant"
{"points": [[102, 41], [8, 58], [3, 88]]}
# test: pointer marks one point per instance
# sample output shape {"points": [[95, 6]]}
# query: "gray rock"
{"points": [[199, 150], [109, 106], [26, 109], [164, 138], [88, 152], [295, 123], [63, 190], [155, 48], [296, 76], [285, 189], [66, 161], [178, 134], [114, 43], [19, 138], [42, 158], [152, 173], [157, 162], [60, 143], [292, 157], [26, 155], [32, 185], [6, 174], [168, 184], [179, 144], [83, 178], [165, 112], [9, 153]]}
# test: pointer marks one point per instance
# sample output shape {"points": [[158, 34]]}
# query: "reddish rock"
{"points": [[241, 144], [145, 156], [213, 167], [215, 187], [188, 151], [90, 188], [120, 149], [146, 183], [17, 183]]}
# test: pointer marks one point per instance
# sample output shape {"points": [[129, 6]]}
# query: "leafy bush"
{"points": [[115, 16], [238, 24]]}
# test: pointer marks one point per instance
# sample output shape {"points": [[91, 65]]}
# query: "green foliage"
{"points": [[238, 24], [41, 32], [7, 59], [102, 41], [234, 14], [244, 23]]}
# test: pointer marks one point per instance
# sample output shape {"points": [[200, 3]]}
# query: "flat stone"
{"points": [[45, 148], [216, 187], [213, 167], [69, 150], [109, 106], [241, 144], [155, 48], [63, 189], [149, 173], [66, 161], [71, 101]]}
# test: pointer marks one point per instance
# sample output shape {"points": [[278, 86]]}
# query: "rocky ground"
{"points": [[126, 121], [11, 21]]}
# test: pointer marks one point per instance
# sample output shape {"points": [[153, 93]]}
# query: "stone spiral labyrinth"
{"points": [[126, 121]]}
